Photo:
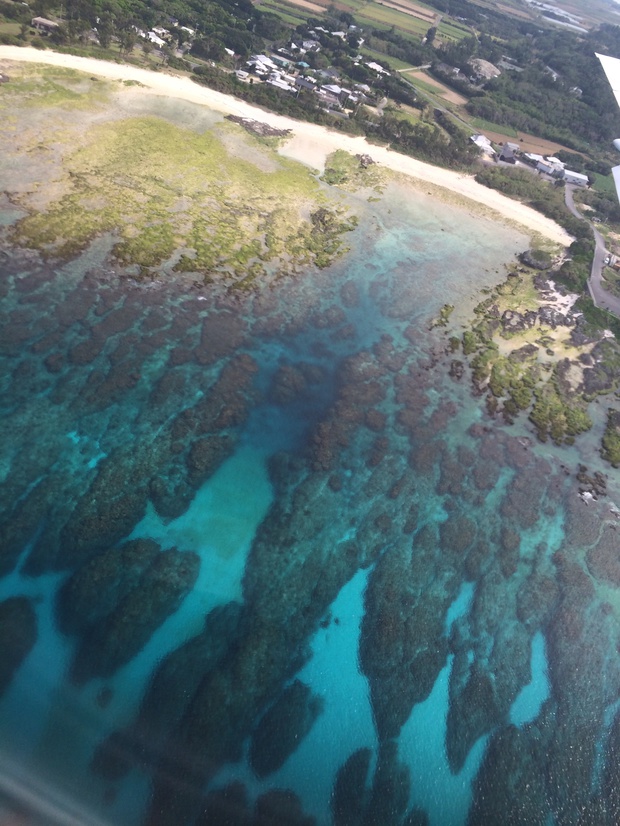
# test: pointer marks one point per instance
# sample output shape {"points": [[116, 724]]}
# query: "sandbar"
{"points": [[310, 143]]}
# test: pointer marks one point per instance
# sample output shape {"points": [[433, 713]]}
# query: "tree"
{"points": [[105, 29], [128, 40]]}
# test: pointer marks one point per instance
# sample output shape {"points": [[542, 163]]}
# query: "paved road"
{"points": [[600, 296]]}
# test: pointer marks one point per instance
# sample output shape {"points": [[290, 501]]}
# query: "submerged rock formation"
{"points": [[18, 634], [283, 727], [117, 600]]}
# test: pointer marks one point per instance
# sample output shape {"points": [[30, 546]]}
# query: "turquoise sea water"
{"points": [[275, 565]]}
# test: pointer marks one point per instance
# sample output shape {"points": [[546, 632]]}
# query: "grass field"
{"points": [[434, 88], [377, 13], [286, 11], [487, 126], [604, 183], [453, 31], [10, 28], [394, 62], [372, 15]]}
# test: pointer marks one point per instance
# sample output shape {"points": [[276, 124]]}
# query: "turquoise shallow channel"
{"points": [[265, 560]]}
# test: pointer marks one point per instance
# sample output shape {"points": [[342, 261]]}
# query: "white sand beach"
{"points": [[310, 143]]}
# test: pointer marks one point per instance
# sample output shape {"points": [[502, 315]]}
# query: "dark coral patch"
{"points": [[18, 634]]}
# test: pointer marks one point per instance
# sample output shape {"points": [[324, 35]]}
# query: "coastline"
{"points": [[310, 143]]}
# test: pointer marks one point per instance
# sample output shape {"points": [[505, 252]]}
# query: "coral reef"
{"points": [[18, 634], [117, 600], [282, 728]]}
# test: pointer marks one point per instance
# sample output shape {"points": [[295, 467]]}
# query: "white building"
{"points": [[575, 178], [377, 68], [548, 168], [484, 144]]}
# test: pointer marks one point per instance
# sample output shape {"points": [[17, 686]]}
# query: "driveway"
{"points": [[601, 297]]}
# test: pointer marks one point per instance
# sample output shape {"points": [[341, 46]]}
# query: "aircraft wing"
{"points": [[616, 173], [611, 67]]}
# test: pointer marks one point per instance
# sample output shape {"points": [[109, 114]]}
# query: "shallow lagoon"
{"points": [[360, 527]]}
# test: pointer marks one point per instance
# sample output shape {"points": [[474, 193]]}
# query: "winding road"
{"points": [[600, 296]]}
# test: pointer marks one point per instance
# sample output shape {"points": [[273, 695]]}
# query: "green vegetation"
{"points": [[444, 316], [604, 183], [486, 126], [352, 173], [573, 106], [539, 194], [161, 188], [574, 273], [610, 445], [524, 377], [557, 416], [54, 86], [596, 318]]}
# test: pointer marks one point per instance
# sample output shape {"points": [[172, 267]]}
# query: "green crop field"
{"points": [[376, 13], [452, 30], [288, 12], [604, 183], [394, 63], [487, 126]]}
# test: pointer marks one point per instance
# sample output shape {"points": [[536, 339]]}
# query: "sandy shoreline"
{"points": [[310, 143]]}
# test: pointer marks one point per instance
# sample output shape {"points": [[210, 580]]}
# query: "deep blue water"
{"points": [[267, 544]]}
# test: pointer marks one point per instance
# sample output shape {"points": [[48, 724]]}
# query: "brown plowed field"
{"points": [[528, 143]]}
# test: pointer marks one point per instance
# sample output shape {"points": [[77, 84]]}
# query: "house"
{"points": [[549, 168], [283, 62], [484, 144], [262, 63], [575, 178], [532, 157], [305, 83], [280, 84], [43, 25], [377, 68], [154, 38], [507, 154], [328, 98]]}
